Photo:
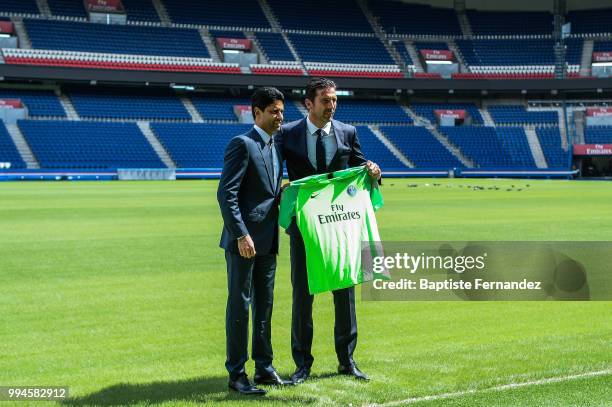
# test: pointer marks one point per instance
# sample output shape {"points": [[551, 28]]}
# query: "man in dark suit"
{"points": [[248, 197], [314, 145]]}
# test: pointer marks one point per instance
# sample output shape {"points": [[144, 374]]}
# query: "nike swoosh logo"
{"points": [[314, 195]]}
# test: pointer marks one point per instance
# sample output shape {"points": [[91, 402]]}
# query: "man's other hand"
{"points": [[373, 170], [246, 247]]}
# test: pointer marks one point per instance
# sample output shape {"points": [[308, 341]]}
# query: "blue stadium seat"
{"points": [[550, 141], [421, 147], [516, 52], [218, 107], [19, 6], [510, 22], [517, 114], [419, 45], [237, 13], [116, 39], [373, 149], [142, 105], [514, 141], [274, 46], [590, 21], [213, 107], [417, 19], [69, 8], [292, 112], [39, 102], [341, 49], [88, 145], [602, 46], [400, 47], [370, 111], [482, 145], [427, 110], [140, 10], [227, 34], [8, 151], [197, 145], [335, 16], [598, 135]]}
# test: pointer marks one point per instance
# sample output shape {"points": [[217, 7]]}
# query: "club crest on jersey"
{"points": [[351, 190]]}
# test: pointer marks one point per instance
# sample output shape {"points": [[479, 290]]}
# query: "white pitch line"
{"points": [[496, 388]]}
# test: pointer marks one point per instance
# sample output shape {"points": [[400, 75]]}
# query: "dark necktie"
{"points": [[321, 160]]}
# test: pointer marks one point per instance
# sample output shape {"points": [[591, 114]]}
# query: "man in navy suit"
{"points": [[314, 145], [248, 196]]}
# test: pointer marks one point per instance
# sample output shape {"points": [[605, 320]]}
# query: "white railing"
{"points": [[113, 58]]}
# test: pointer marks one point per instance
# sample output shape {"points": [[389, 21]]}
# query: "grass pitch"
{"points": [[117, 290]]}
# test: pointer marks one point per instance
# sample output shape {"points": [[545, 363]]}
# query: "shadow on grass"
{"points": [[196, 390]]}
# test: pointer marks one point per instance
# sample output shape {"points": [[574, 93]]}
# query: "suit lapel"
{"points": [[266, 159], [304, 144], [339, 143]]}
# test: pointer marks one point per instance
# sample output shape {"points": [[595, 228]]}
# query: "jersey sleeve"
{"points": [[287, 205]]}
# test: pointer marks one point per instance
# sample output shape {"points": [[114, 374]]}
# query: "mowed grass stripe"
{"points": [[477, 395], [118, 290]]}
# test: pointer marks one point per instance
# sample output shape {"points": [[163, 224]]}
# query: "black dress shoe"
{"points": [[353, 370], [243, 386], [270, 378], [300, 375]]}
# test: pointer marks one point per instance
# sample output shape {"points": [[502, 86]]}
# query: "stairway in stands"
{"points": [[22, 146]]}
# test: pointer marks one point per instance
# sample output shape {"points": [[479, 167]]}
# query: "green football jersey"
{"points": [[336, 219]]}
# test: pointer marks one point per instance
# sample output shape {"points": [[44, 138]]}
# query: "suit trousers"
{"points": [[345, 326], [250, 283]]}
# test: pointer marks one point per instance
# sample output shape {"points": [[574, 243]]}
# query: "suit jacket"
{"points": [[292, 142], [247, 198]]}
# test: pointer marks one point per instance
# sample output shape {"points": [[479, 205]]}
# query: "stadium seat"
{"points": [[415, 19], [338, 16], [244, 14], [373, 149], [371, 111], [197, 145], [421, 147], [491, 147], [550, 141], [8, 151], [136, 105], [88, 145], [115, 39], [40, 103], [518, 115], [426, 110]]}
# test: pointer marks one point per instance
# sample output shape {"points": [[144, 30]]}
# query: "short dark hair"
{"points": [[315, 84], [263, 97]]}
